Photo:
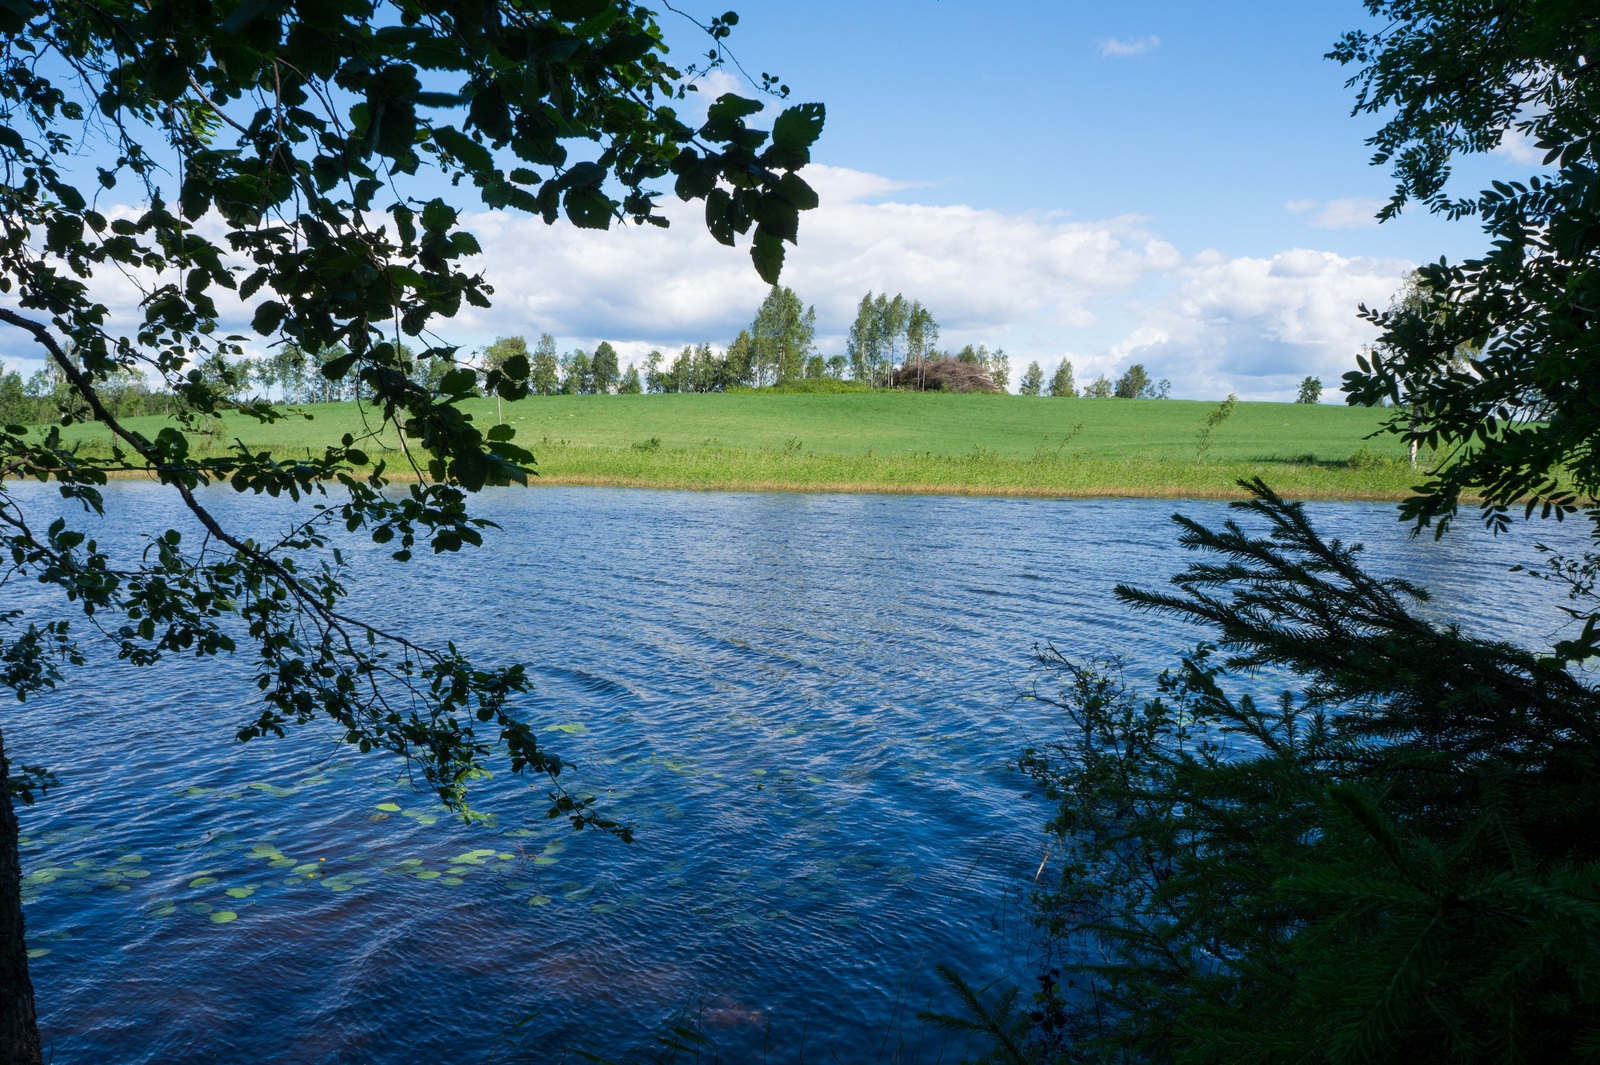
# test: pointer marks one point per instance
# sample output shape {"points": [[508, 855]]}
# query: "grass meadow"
{"points": [[899, 442]]}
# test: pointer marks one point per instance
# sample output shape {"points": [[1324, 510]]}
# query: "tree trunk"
{"points": [[19, 1028]]}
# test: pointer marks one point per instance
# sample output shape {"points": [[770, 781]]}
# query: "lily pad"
{"points": [[604, 907], [224, 917], [573, 729], [241, 892], [202, 881], [540, 900], [37, 952], [388, 807], [272, 789], [162, 909]]}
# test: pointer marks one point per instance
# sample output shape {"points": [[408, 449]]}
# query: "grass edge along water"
{"points": [[899, 442]]}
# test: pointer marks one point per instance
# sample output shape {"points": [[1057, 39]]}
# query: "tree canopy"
{"points": [[303, 169], [1520, 419]]}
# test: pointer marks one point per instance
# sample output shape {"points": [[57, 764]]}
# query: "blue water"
{"points": [[803, 703]]}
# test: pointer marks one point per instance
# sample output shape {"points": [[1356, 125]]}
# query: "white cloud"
{"points": [[980, 272], [1519, 148], [1352, 212], [1256, 326], [1045, 286], [1112, 48]]}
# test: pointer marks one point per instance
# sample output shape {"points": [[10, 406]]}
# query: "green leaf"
{"points": [[793, 134], [472, 154], [459, 382], [766, 251], [268, 317]]}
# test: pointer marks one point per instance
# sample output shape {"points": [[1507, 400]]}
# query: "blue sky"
{"points": [[1206, 119], [1175, 184], [1179, 185]]}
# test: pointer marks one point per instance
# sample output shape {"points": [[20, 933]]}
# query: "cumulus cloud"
{"points": [[1045, 286], [1112, 48], [981, 272], [1256, 326], [1520, 149], [1352, 212]]}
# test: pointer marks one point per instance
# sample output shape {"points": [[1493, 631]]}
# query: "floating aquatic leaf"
{"points": [[702, 909], [452, 880], [545, 859], [199, 907], [573, 729], [581, 893], [241, 892], [408, 863], [127, 858], [540, 900], [901, 874], [37, 952], [162, 909], [844, 920], [306, 867], [388, 807], [471, 857], [521, 833], [427, 874], [224, 917], [282, 863], [816, 779], [504, 857], [135, 874], [678, 881], [604, 907], [555, 846], [770, 885], [194, 793], [758, 772], [202, 881], [775, 915], [272, 789]]}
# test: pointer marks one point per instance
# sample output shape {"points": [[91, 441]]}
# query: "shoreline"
{"points": [[1092, 490]]}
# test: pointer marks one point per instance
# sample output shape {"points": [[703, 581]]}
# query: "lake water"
{"points": [[803, 703]]}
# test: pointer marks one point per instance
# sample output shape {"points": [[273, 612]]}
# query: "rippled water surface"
{"points": [[804, 704]]}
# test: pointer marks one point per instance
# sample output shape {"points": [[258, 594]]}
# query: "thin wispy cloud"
{"points": [[1351, 212], [1111, 48]]}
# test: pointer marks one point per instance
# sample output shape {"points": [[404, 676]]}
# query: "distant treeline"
{"points": [[893, 343]]}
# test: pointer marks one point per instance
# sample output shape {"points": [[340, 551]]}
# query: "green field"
{"points": [[905, 441]]}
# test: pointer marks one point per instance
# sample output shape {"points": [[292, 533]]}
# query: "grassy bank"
{"points": [[905, 442]]}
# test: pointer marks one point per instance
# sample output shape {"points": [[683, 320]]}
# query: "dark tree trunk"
{"points": [[19, 1028]]}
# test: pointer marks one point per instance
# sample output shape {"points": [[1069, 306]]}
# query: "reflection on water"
{"points": [[803, 703]]}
